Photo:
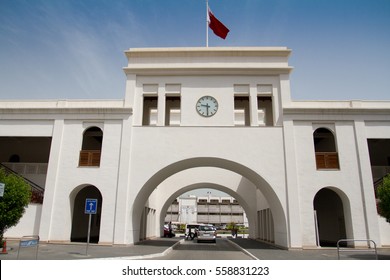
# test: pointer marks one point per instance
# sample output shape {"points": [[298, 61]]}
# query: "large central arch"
{"points": [[280, 225]]}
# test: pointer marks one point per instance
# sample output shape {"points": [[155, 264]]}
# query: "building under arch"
{"points": [[191, 117]]}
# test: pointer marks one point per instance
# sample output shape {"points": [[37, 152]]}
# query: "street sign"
{"points": [[2, 186], [90, 209], [90, 206], [27, 242]]}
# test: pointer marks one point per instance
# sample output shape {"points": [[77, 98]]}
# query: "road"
{"points": [[191, 250]]}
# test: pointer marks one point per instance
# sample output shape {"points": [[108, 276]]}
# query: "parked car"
{"points": [[206, 233], [166, 232]]}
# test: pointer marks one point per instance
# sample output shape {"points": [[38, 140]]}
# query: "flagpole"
{"points": [[207, 23]]}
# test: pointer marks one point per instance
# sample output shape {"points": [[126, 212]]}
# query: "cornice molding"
{"points": [[208, 51], [186, 71]]}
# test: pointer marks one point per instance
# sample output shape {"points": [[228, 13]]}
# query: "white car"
{"points": [[206, 233]]}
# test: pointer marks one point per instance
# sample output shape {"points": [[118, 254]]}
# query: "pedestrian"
{"points": [[233, 232], [170, 229]]}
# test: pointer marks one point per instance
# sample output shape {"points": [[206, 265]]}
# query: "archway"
{"points": [[79, 230], [280, 226], [331, 223], [241, 200]]}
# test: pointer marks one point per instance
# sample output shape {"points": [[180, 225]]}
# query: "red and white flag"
{"points": [[218, 27]]}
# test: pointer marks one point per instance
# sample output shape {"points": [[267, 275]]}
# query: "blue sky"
{"points": [[67, 49]]}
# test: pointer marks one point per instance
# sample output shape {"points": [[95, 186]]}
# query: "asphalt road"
{"points": [[223, 249]]}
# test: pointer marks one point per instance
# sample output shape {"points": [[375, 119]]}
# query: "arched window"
{"points": [[325, 149], [91, 148]]}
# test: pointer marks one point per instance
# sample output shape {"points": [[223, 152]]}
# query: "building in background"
{"points": [[216, 210]]}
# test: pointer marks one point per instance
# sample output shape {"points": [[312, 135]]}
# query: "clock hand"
{"points": [[207, 108]]}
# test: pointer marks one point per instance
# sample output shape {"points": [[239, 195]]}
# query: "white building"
{"points": [[219, 118], [214, 210]]}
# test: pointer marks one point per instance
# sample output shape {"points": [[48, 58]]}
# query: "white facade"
{"points": [[282, 160]]}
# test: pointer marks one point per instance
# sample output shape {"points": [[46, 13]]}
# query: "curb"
{"points": [[242, 249], [141, 257]]}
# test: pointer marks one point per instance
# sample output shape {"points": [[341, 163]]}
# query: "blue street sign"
{"points": [[90, 206], [28, 243]]}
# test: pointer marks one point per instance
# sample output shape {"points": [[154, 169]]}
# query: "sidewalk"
{"points": [[263, 251], [77, 251]]}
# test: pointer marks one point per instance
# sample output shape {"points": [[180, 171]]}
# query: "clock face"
{"points": [[207, 106]]}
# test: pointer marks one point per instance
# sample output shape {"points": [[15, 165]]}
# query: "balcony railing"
{"points": [[89, 158], [327, 160]]}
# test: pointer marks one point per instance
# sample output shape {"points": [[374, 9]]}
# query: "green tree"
{"points": [[383, 192], [17, 194], [231, 226]]}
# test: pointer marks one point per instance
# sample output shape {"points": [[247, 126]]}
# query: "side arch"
{"points": [[333, 214], [79, 230]]}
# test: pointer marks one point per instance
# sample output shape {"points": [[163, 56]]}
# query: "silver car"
{"points": [[206, 233]]}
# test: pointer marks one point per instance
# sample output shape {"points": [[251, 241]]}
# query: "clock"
{"points": [[207, 106]]}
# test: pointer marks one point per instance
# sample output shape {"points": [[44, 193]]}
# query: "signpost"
{"points": [[90, 209]]}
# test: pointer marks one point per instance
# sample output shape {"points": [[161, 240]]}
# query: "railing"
{"points": [[350, 249], [379, 171], [89, 158], [37, 192], [328, 160], [377, 183]]}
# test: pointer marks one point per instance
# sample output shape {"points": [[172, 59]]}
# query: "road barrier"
{"points": [[367, 248]]}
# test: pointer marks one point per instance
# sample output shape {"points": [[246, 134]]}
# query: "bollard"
{"points": [[4, 251]]}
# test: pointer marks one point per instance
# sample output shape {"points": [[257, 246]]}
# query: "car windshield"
{"points": [[206, 228]]}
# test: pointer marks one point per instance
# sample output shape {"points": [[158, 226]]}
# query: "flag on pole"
{"points": [[218, 28]]}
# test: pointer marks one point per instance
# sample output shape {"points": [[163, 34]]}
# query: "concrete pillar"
{"points": [[366, 183], [161, 105], [51, 180], [292, 188]]}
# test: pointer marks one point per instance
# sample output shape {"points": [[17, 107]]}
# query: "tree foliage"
{"points": [[17, 194], [383, 192]]}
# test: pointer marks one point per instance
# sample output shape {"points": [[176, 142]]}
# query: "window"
{"points": [[325, 149], [91, 148], [264, 111], [241, 111], [172, 113], [214, 201], [202, 201], [150, 111]]}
